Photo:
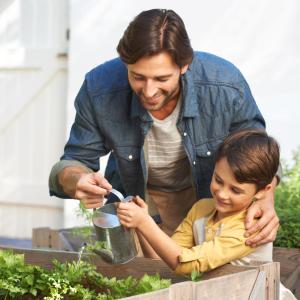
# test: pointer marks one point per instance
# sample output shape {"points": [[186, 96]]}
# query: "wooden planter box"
{"points": [[256, 282]]}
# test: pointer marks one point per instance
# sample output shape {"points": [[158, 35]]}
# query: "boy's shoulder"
{"points": [[202, 208]]}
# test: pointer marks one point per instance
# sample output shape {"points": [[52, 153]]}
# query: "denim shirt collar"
{"points": [[138, 110], [189, 103]]}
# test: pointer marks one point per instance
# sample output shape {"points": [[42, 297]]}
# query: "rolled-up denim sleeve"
{"points": [[55, 189]]}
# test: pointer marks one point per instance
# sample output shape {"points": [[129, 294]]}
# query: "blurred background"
{"points": [[47, 46]]}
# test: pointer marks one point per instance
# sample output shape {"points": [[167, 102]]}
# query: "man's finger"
{"points": [[101, 181], [254, 211], [90, 189], [92, 205], [267, 234]]}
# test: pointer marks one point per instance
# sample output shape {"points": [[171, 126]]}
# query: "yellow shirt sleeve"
{"points": [[222, 249]]}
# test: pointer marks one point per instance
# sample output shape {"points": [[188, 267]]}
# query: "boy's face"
{"points": [[230, 196], [155, 79]]}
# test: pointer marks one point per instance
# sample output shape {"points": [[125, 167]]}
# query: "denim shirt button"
{"points": [[185, 134], [130, 156], [208, 153], [194, 162]]}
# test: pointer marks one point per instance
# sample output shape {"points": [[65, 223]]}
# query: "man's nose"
{"points": [[149, 89]]}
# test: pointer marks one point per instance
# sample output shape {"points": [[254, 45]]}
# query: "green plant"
{"points": [[71, 280], [287, 203]]}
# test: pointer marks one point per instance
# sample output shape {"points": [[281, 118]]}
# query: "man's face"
{"points": [[155, 79]]}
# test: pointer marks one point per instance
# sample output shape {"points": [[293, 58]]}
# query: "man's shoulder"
{"points": [[108, 77], [214, 69]]}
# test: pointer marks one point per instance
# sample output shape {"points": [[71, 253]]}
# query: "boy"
{"points": [[212, 234]]}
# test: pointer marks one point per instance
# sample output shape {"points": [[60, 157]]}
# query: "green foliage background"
{"points": [[287, 203]]}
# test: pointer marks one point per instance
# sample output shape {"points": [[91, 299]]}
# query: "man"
{"points": [[162, 110]]}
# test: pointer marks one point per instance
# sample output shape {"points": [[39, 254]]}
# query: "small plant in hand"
{"points": [[71, 280]]}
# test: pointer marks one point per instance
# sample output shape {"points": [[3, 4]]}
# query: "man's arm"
{"points": [[71, 179]]}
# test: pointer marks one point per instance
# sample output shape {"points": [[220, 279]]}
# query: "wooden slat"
{"points": [[272, 272], [258, 291], [234, 286]]}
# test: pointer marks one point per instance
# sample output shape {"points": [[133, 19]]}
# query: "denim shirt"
{"points": [[109, 118]]}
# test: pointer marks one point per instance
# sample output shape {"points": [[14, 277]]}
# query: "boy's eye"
{"points": [[218, 180], [236, 191]]}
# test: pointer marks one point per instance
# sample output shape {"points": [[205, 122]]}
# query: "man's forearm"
{"points": [[68, 178]]}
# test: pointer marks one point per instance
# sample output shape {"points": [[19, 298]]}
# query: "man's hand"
{"points": [[89, 188], [134, 213], [268, 222]]}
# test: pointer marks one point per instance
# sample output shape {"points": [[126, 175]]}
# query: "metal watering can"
{"points": [[120, 242]]}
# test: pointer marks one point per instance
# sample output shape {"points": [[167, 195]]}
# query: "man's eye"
{"points": [[162, 80]]}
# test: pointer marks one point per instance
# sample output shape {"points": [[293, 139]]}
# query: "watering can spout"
{"points": [[105, 254]]}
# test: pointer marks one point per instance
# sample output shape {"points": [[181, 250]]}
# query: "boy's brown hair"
{"points": [[253, 156], [155, 31]]}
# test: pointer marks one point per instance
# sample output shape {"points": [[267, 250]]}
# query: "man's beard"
{"points": [[167, 98]]}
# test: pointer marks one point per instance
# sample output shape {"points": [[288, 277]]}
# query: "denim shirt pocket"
{"points": [[206, 155], [128, 163]]}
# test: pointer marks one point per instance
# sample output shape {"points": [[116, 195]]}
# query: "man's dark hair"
{"points": [[152, 32], [252, 155]]}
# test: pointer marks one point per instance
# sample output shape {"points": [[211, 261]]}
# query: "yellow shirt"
{"points": [[208, 245]]}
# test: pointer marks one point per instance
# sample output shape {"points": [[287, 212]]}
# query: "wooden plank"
{"points": [[258, 291], [41, 237], [158, 295], [289, 259], [182, 291], [289, 268], [234, 286], [272, 272]]}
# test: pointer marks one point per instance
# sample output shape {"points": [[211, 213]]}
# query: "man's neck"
{"points": [[166, 110]]}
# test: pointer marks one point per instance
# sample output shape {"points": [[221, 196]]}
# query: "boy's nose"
{"points": [[222, 194]]}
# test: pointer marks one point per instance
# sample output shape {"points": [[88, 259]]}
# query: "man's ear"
{"points": [[184, 69], [262, 192]]}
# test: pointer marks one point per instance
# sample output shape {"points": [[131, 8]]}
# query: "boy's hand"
{"points": [[134, 213], [268, 223]]}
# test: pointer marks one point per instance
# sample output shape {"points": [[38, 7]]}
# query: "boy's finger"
{"points": [[140, 202]]}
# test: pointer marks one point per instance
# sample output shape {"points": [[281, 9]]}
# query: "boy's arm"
{"points": [[229, 246]]}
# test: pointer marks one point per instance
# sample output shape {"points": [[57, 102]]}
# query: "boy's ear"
{"points": [[262, 192]]}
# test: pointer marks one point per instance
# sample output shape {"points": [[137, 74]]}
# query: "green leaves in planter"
{"points": [[69, 280]]}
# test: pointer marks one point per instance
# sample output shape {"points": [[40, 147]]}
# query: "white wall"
{"points": [[33, 88], [261, 37]]}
